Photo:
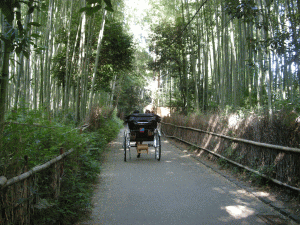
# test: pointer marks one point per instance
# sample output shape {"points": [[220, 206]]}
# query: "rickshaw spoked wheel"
{"points": [[124, 145], [157, 146]]}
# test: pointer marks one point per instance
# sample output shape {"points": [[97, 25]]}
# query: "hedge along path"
{"points": [[4, 182], [16, 194], [282, 148]]}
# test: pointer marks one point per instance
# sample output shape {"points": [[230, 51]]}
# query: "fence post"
{"points": [[58, 171], [25, 195], [3, 180], [61, 151]]}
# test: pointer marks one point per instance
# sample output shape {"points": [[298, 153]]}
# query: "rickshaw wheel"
{"points": [[157, 146], [159, 149], [124, 145]]}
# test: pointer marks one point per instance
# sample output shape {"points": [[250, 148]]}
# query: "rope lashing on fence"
{"points": [[233, 162], [4, 182], [278, 147]]}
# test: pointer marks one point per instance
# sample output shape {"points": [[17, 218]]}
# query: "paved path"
{"points": [[176, 190]]}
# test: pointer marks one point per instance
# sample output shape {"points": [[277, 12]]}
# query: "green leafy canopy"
{"points": [[94, 6]]}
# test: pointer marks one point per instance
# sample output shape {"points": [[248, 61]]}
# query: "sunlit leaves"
{"points": [[94, 6]]}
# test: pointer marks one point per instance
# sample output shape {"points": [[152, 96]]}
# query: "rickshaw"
{"points": [[142, 127]]}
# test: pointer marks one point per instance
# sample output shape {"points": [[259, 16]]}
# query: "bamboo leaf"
{"points": [[90, 10], [108, 5], [83, 9], [7, 11], [3, 38], [94, 1], [35, 35], [109, 9], [18, 50], [34, 24], [94, 9], [30, 10]]}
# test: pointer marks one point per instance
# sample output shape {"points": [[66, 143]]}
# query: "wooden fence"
{"points": [[283, 162], [20, 196], [36, 189]]}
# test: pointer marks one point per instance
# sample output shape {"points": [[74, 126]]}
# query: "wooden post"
{"points": [[61, 151], [25, 212], [3, 180]]}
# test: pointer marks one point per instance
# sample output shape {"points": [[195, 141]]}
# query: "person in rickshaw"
{"points": [[157, 119], [140, 142]]}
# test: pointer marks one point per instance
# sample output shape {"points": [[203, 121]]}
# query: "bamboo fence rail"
{"points": [[265, 145], [18, 196]]}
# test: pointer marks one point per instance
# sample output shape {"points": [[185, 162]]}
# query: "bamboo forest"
{"points": [[72, 70], [67, 55]]}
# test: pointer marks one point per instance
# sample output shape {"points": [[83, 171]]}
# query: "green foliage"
{"points": [[59, 68], [99, 122], [116, 56], [242, 9], [15, 38], [94, 6], [223, 163], [41, 144], [166, 46], [117, 48], [130, 98], [111, 129]]}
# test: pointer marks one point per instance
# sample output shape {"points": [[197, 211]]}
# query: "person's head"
{"points": [[147, 111]]}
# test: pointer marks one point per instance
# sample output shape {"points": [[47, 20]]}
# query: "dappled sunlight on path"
{"points": [[176, 190]]}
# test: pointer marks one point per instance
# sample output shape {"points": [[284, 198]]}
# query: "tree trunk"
{"points": [[68, 74], [100, 37], [4, 78], [81, 66]]}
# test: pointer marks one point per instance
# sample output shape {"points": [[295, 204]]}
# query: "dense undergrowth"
{"points": [[26, 144]]}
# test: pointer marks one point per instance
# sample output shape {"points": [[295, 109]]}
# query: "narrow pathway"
{"points": [[176, 190]]}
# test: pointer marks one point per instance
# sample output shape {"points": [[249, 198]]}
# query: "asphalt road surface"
{"points": [[176, 190]]}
